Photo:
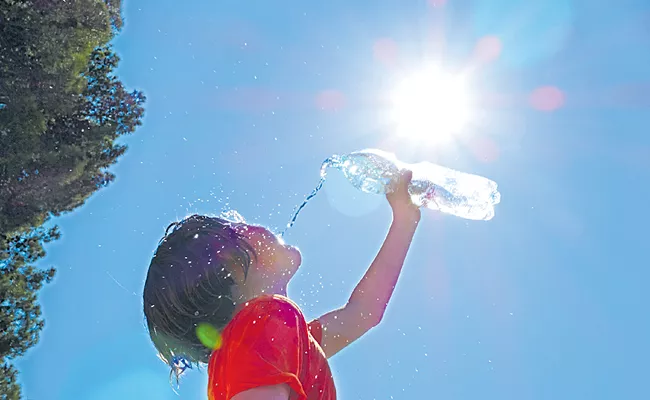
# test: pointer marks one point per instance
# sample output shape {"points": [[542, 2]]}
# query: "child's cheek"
{"points": [[266, 250]]}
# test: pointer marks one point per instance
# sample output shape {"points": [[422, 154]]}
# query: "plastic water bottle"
{"points": [[432, 186]]}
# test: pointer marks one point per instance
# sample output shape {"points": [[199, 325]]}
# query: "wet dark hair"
{"points": [[189, 283]]}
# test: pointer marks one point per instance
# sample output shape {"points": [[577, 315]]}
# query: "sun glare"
{"points": [[431, 105]]}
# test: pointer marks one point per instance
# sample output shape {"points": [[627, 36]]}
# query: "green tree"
{"points": [[58, 169], [20, 314], [9, 390], [62, 110]]}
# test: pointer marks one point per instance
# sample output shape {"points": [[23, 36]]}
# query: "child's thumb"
{"points": [[405, 179]]}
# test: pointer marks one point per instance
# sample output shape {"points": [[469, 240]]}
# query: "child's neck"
{"points": [[250, 292]]}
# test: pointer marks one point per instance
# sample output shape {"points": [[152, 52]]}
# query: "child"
{"points": [[227, 280]]}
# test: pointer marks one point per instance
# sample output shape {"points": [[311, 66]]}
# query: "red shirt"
{"points": [[267, 343]]}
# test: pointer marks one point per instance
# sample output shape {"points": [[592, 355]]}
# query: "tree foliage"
{"points": [[62, 110]]}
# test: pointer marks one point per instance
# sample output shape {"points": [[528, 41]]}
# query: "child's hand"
{"points": [[400, 199]]}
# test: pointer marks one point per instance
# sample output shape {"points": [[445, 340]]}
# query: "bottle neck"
{"points": [[333, 162]]}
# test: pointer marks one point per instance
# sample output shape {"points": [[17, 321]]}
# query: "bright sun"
{"points": [[431, 105]]}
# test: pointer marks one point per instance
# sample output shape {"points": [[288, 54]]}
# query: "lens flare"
{"points": [[209, 336]]}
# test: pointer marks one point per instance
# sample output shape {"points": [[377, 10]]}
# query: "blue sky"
{"points": [[246, 98]]}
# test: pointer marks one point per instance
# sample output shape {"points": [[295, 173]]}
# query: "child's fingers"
{"points": [[405, 179], [407, 175]]}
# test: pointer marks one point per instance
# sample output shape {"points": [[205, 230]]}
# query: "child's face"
{"points": [[276, 261]]}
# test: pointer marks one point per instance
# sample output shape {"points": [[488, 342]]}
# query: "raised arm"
{"points": [[369, 300]]}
